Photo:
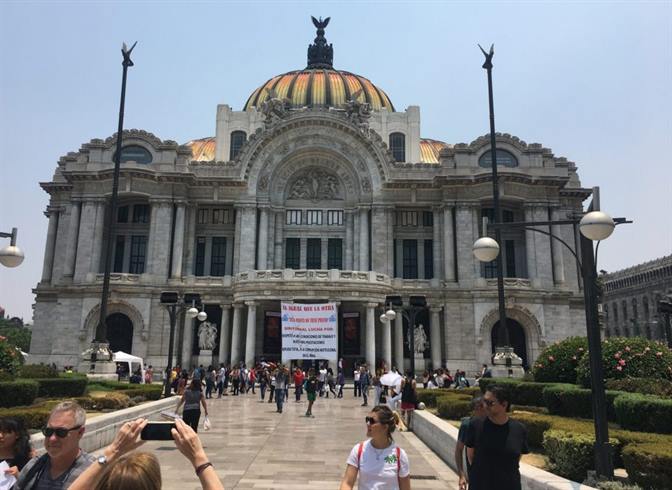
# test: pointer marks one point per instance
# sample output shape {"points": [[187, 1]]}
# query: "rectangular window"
{"points": [[335, 217], [427, 218], [406, 218], [314, 217], [141, 213], [203, 215], [293, 217], [292, 253], [218, 256], [119, 245], [410, 259], [217, 216], [429, 259], [314, 253], [199, 264], [490, 269], [335, 253], [122, 214], [510, 255], [138, 254]]}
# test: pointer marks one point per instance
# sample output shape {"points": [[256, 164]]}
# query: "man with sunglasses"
{"points": [[64, 461]]}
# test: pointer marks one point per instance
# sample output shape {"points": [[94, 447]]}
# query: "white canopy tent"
{"points": [[133, 362]]}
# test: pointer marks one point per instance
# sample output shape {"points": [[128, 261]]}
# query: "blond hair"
{"points": [[134, 471]]}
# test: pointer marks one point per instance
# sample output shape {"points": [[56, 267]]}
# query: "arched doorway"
{"points": [[517, 338], [119, 332]]}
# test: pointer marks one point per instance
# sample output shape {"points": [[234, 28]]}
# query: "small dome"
{"points": [[314, 87], [429, 150], [202, 150]]}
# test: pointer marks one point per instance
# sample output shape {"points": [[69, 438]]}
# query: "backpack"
{"points": [[360, 449]]}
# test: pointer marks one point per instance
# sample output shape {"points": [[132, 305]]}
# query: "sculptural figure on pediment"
{"points": [[358, 112], [274, 108], [316, 185]]}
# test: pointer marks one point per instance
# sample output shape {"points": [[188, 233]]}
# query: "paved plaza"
{"points": [[252, 446]]}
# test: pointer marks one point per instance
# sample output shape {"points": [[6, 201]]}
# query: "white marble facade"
{"points": [[313, 207]]}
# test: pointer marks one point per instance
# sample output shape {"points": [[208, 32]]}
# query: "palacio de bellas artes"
{"points": [[319, 189]]}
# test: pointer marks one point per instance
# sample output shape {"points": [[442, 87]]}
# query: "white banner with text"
{"points": [[309, 331]]}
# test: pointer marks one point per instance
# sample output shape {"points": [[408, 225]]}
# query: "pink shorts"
{"points": [[407, 406]]}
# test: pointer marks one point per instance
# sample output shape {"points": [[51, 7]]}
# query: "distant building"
{"points": [[631, 299]]}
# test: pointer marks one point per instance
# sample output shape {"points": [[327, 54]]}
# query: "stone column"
{"points": [[465, 240], [85, 240], [191, 241], [187, 342], [235, 334], [98, 232], [435, 336], [436, 243], [529, 246], [379, 241], [387, 343], [399, 341], [349, 242], [364, 239], [542, 249], [248, 238], [448, 245], [178, 242], [389, 213], [355, 240], [225, 335], [71, 247], [159, 238], [558, 249], [262, 251], [371, 335], [251, 334], [236, 239], [279, 239], [48, 263]]}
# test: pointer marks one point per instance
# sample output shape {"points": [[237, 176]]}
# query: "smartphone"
{"points": [[157, 431]]}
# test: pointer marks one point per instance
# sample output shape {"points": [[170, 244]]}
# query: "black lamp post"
{"points": [[416, 304], [99, 344], [595, 225], [171, 300], [503, 332]]}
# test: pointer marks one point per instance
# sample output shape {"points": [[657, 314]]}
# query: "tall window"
{"points": [[293, 217], [427, 218], [314, 217], [122, 214], [314, 253], [406, 218], [141, 213], [398, 146], [335, 217], [218, 256], [199, 269], [429, 259], [292, 253], [237, 142], [203, 216], [119, 254], [335, 253], [138, 254], [410, 259]]}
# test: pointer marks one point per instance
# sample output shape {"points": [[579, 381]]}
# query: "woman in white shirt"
{"points": [[379, 462]]}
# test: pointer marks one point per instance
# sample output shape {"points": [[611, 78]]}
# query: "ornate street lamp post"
{"points": [[11, 255], [416, 304]]}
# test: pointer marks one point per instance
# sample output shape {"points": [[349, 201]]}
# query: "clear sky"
{"points": [[589, 80]]}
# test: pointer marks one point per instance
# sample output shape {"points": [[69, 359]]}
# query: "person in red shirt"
{"points": [[252, 380], [298, 383]]}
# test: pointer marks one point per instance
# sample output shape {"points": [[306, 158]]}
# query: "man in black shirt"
{"points": [[495, 444]]}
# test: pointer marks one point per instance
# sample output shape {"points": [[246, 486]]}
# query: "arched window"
{"points": [[135, 153], [398, 146], [237, 141], [505, 158]]}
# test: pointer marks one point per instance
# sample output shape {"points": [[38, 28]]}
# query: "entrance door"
{"points": [[119, 332], [516, 338]]}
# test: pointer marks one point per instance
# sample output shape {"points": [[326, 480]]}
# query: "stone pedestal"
{"points": [[97, 361], [507, 364], [204, 358], [419, 364]]}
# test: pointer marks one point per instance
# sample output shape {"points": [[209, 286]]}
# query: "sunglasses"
{"points": [[370, 421], [489, 403], [60, 431]]}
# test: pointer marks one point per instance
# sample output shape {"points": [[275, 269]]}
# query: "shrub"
{"points": [[644, 413], [558, 362], [536, 426], [572, 401], [646, 386], [453, 408], [508, 383], [630, 357], [111, 401], [649, 464], [429, 397], [32, 371], [61, 387], [32, 417], [570, 455], [19, 392], [149, 392], [11, 359]]}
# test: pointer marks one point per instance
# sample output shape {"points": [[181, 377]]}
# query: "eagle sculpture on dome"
{"points": [[320, 24], [320, 54]]}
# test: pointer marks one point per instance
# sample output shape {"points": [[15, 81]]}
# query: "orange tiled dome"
{"points": [[429, 150], [320, 87], [202, 150]]}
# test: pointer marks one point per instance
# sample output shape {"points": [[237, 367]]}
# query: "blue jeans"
{"points": [[279, 398]]}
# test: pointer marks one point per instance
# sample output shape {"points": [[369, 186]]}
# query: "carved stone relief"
{"points": [[316, 184]]}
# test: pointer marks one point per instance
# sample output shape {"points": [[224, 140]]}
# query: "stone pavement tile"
{"points": [[253, 447]]}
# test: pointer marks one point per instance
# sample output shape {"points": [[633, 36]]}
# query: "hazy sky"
{"points": [[589, 80]]}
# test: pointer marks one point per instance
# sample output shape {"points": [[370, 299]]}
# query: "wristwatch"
{"points": [[102, 460]]}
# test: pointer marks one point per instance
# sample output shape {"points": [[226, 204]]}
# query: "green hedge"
{"points": [[570, 455], [536, 427], [61, 387], [644, 413], [453, 408], [19, 392], [647, 386], [32, 417], [649, 464], [149, 392], [430, 397], [32, 371], [523, 392], [572, 401]]}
